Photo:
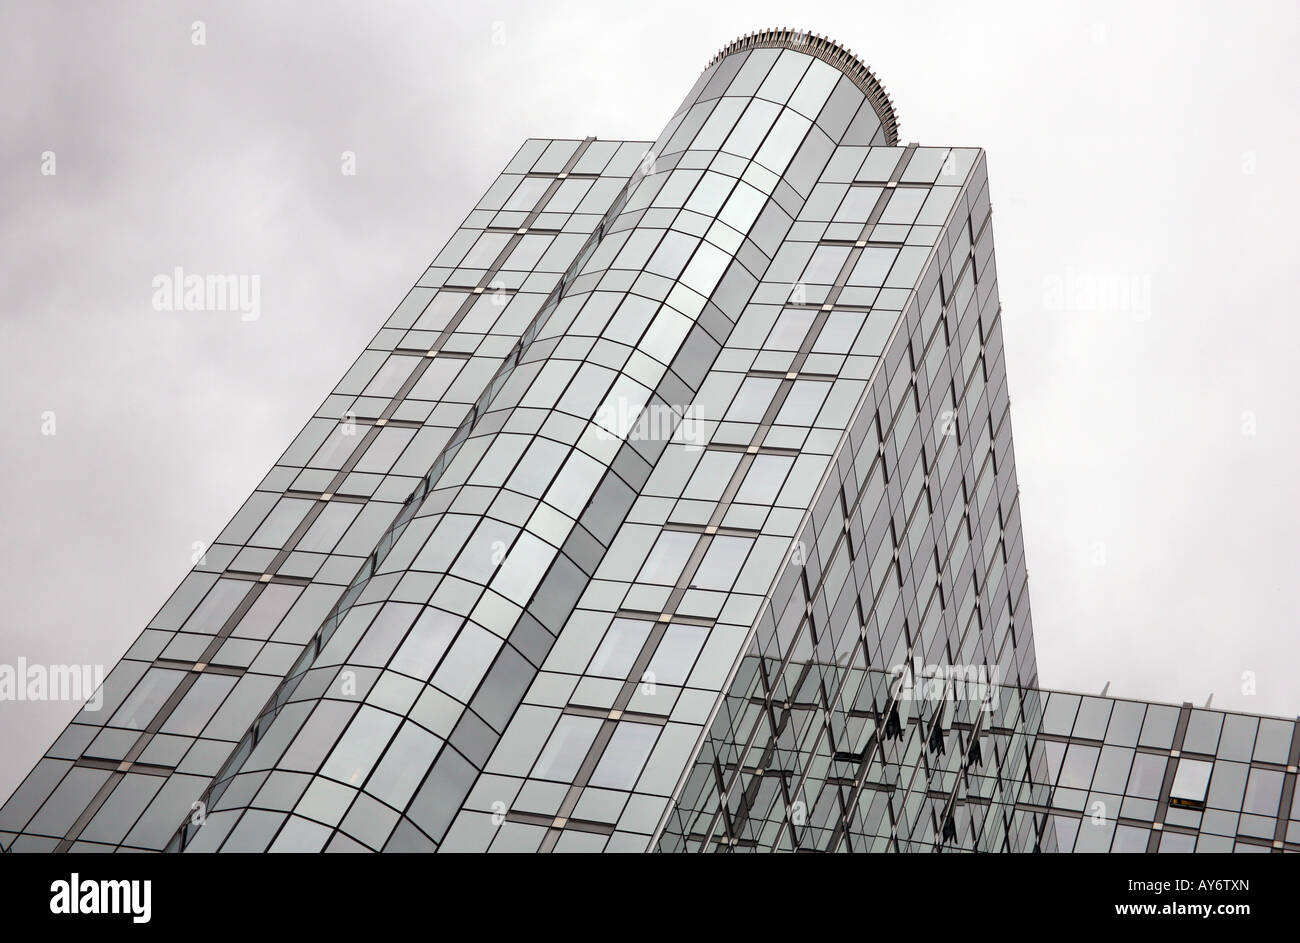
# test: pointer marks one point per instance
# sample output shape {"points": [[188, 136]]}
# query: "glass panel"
{"points": [[722, 561], [1076, 772], [566, 748], [1094, 713], [1059, 713], [624, 756], [1274, 742], [1203, 732], [1263, 790], [1158, 729], [1112, 769], [1130, 840], [676, 653], [617, 653], [360, 746], [197, 707], [752, 400], [1147, 775], [1191, 780], [1227, 785], [1238, 737], [665, 562], [140, 707], [1125, 723]]}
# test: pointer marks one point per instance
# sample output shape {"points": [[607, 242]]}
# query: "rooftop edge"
{"points": [[829, 52]]}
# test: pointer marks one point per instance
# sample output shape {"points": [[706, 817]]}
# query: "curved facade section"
{"points": [[422, 672]]}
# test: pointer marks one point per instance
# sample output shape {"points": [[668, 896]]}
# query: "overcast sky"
{"points": [[1142, 165]]}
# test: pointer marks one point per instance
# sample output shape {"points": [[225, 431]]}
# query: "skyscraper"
{"points": [[674, 508]]}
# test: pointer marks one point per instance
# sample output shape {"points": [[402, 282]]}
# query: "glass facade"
{"points": [[626, 529], [944, 758]]}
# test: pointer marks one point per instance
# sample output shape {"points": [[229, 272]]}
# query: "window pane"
{"points": [[676, 653], [1262, 792], [624, 756], [140, 707], [1191, 780], [617, 653], [197, 707], [665, 562], [565, 750]]}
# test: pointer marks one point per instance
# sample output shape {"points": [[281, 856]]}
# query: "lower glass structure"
{"points": [[938, 760]]}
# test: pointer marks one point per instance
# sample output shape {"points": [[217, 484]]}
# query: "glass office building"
{"points": [[673, 509]]}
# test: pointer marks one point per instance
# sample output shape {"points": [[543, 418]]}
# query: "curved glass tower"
{"points": [[674, 508]]}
